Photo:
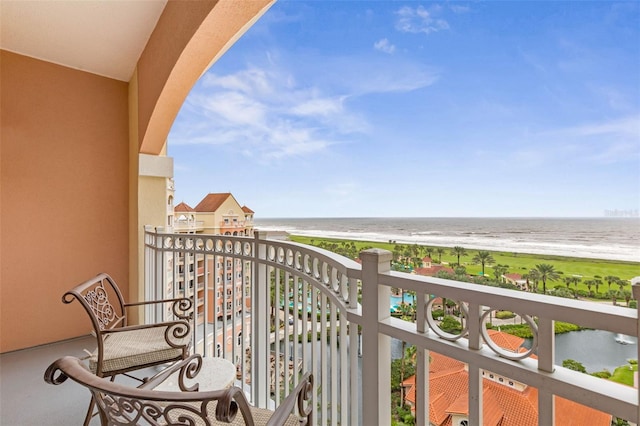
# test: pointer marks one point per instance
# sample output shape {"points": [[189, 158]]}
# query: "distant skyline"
{"points": [[421, 109]]}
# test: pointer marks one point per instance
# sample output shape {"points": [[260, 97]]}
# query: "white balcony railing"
{"points": [[307, 309]]}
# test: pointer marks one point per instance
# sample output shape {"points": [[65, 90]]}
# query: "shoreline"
{"points": [[542, 255], [517, 262]]}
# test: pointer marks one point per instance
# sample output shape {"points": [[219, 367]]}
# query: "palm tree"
{"points": [[440, 252], [483, 258], [458, 251], [572, 280], [589, 284], [547, 273], [597, 283], [611, 279], [498, 271], [534, 276], [622, 283], [429, 251]]}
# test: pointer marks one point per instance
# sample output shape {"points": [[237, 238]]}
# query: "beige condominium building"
{"points": [[222, 281]]}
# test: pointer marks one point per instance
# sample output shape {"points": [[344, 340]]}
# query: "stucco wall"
{"points": [[64, 194]]}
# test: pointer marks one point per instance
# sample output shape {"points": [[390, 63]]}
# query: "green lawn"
{"points": [[624, 374], [521, 263]]}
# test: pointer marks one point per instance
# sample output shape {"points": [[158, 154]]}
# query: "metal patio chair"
{"points": [[122, 348], [125, 405]]}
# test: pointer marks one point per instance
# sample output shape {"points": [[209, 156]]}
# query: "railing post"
{"points": [[376, 356], [546, 356], [260, 323], [635, 289], [422, 363], [476, 403], [156, 284], [150, 261]]}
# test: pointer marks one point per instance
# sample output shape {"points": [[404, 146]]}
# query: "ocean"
{"points": [[595, 238]]}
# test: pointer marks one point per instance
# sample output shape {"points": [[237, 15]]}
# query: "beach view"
{"points": [[487, 144], [332, 213]]}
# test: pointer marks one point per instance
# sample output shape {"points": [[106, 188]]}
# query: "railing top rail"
{"points": [[584, 313], [349, 267]]}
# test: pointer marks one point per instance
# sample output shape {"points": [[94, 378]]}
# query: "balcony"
{"points": [[329, 315], [188, 226]]}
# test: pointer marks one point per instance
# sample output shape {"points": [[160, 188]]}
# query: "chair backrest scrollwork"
{"points": [[101, 298], [123, 405]]}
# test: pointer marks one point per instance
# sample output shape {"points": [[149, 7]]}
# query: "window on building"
{"points": [[464, 422]]}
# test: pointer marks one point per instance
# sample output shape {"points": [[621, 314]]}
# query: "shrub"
{"points": [[604, 374], [451, 325], [505, 314], [437, 313], [572, 364], [583, 293], [633, 304]]}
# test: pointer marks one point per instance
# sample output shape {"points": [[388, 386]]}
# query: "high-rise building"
{"points": [[220, 283]]}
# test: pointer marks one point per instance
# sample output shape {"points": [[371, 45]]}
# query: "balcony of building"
{"points": [[188, 226], [331, 316], [84, 128]]}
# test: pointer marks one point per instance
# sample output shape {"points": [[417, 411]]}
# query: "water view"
{"points": [[602, 238]]}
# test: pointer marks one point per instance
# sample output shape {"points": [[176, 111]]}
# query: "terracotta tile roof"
{"points": [[570, 413], [460, 405], [212, 202], [440, 363], [438, 408], [503, 405], [492, 413], [430, 272], [247, 209], [513, 276], [426, 259], [506, 341], [183, 207], [516, 405]]}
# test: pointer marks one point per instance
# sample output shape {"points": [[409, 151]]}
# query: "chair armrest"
{"points": [[180, 306], [189, 368], [298, 398]]}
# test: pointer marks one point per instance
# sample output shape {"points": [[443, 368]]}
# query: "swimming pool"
{"points": [[396, 300]]}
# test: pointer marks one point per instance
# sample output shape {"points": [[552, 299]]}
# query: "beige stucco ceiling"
{"points": [[104, 37]]}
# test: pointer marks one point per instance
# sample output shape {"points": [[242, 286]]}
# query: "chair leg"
{"points": [[92, 403], [89, 415]]}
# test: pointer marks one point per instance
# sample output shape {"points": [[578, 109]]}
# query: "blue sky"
{"points": [[423, 109]]}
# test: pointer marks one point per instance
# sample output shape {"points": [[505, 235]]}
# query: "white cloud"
{"points": [[456, 8], [383, 45], [605, 142], [420, 20], [264, 114], [321, 107]]}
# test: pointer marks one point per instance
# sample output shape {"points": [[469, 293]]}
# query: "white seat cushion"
{"points": [[127, 349]]}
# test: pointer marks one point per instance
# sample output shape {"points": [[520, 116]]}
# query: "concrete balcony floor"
{"points": [[26, 399]]}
